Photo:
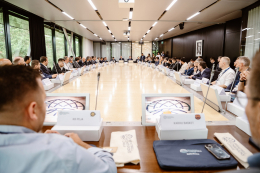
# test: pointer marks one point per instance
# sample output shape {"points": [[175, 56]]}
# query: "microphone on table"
{"points": [[98, 76], [211, 77], [237, 69]]}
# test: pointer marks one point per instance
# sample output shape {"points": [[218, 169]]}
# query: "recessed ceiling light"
{"points": [[67, 15], [171, 29], [173, 2], [92, 5], [193, 15], [154, 24], [82, 26], [148, 31], [129, 28], [104, 23], [100, 38], [161, 35], [109, 31], [95, 35]]}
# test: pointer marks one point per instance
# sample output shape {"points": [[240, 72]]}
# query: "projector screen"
{"points": [[62, 102], [154, 105]]}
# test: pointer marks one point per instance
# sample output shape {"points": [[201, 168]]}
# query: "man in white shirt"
{"points": [[227, 75], [67, 64], [22, 148], [184, 65]]}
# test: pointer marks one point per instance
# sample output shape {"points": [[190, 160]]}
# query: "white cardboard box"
{"points": [[180, 134], [237, 110], [47, 87], [86, 133], [195, 87], [243, 124]]}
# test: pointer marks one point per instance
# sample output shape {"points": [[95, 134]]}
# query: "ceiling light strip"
{"points": [[72, 17], [209, 6], [101, 18]]}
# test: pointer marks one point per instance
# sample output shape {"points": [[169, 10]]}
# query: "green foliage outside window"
{"points": [[2, 38], [60, 45], [77, 46], [48, 44]]}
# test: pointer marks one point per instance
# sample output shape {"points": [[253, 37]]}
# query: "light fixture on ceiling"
{"points": [[129, 28], [156, 38], [193, 15], [131, 14], [148, 31], [95, 35], [92, 5], [141, 39], [143, 36], [113, 36], [109, 31], [104, 23], [67, 15], [161, 35], [154, 24], [82, 26], [171, 29], [100, 38], [173, 2]]}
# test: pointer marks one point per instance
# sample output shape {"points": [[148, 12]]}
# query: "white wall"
{"points": [[87, 48]]}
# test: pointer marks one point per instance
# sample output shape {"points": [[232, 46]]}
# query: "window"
{"points": [[68, 48], [48, 44], [60, 45], [147, 48], [77, 46], [116, 50], [126, 50], [105, 50], [2, 36], [136, 50], [97, 49], [20, 36]]}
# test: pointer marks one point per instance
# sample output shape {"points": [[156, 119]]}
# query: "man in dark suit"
{"points": [[190, 69], [204, 71], [44, 62], [129, 59], [177, 65], [212, 61], [142, 58], [35, 64], [105, 59], [59, 67], [76, 63], [27, 61], [113, 59], [82, 62], [121, 58]]}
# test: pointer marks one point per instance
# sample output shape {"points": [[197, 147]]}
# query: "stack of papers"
{"points": [[127, 151]]}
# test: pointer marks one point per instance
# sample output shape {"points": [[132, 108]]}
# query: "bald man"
{"points": [[18, 61], [5, 62]]}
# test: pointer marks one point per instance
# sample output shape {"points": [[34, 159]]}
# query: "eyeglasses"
{"points": [[242, 99]]}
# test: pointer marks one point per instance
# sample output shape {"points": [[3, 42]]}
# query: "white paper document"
{"points": [[127, 151], [240, 152]]}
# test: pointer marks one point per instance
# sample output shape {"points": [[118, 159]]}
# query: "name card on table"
{"points": [[46, 81], [197, 82], [221, 90], [191, 121], [60, 76], [78, 118], [205, 80]]}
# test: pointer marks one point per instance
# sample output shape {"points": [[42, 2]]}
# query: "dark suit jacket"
{"points": [[59, 69], [205, 74], [189, 71], [113, 60], [45, 70], [142, 58], [216, 65], [129, 60], [177, 66], [122, 59], [87, 63], [75, 64], [81, 63]]}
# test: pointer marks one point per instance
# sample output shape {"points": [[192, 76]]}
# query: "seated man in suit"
{"points": [[142, 58], [59, 67], [184, 65], [121, 58], [129, 59], [101, 60], [44, 65], [172, 64], [190, 69], [204, 72], [98, 59], [27, 61], [93, 61], [113, 59], [105, 59], [169, 63], [67, 64], [82, 62], [177, 65], [212, 61], [21, 119], [35, 64], [76, 63], [18, 61], [227, 75], [5, 62]]}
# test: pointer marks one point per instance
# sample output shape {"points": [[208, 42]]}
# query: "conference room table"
{"points": [[146, 135]]}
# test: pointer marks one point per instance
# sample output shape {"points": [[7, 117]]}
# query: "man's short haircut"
{"points": [[191, 59], [199, 59], [26, 58], [65, 57], [71, 56], [170, 61], [71, 59], [244, 60], [16, 61], [211, 58], [254, 76], [60, 59], [203, 64], [34, 63], [226, 60], [15, 83], [43, 59], [183, 59], [77, 58], [178, 58], [191, 64]]}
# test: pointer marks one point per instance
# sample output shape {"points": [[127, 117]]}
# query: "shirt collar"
{"points": [[15, 129]]}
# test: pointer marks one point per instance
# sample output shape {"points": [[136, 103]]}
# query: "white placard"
{"points": [[60, 76], [190, 121], [242, 98], [205, 80], [220, 90], [197, 82], [46, 81], [78, 118]]}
